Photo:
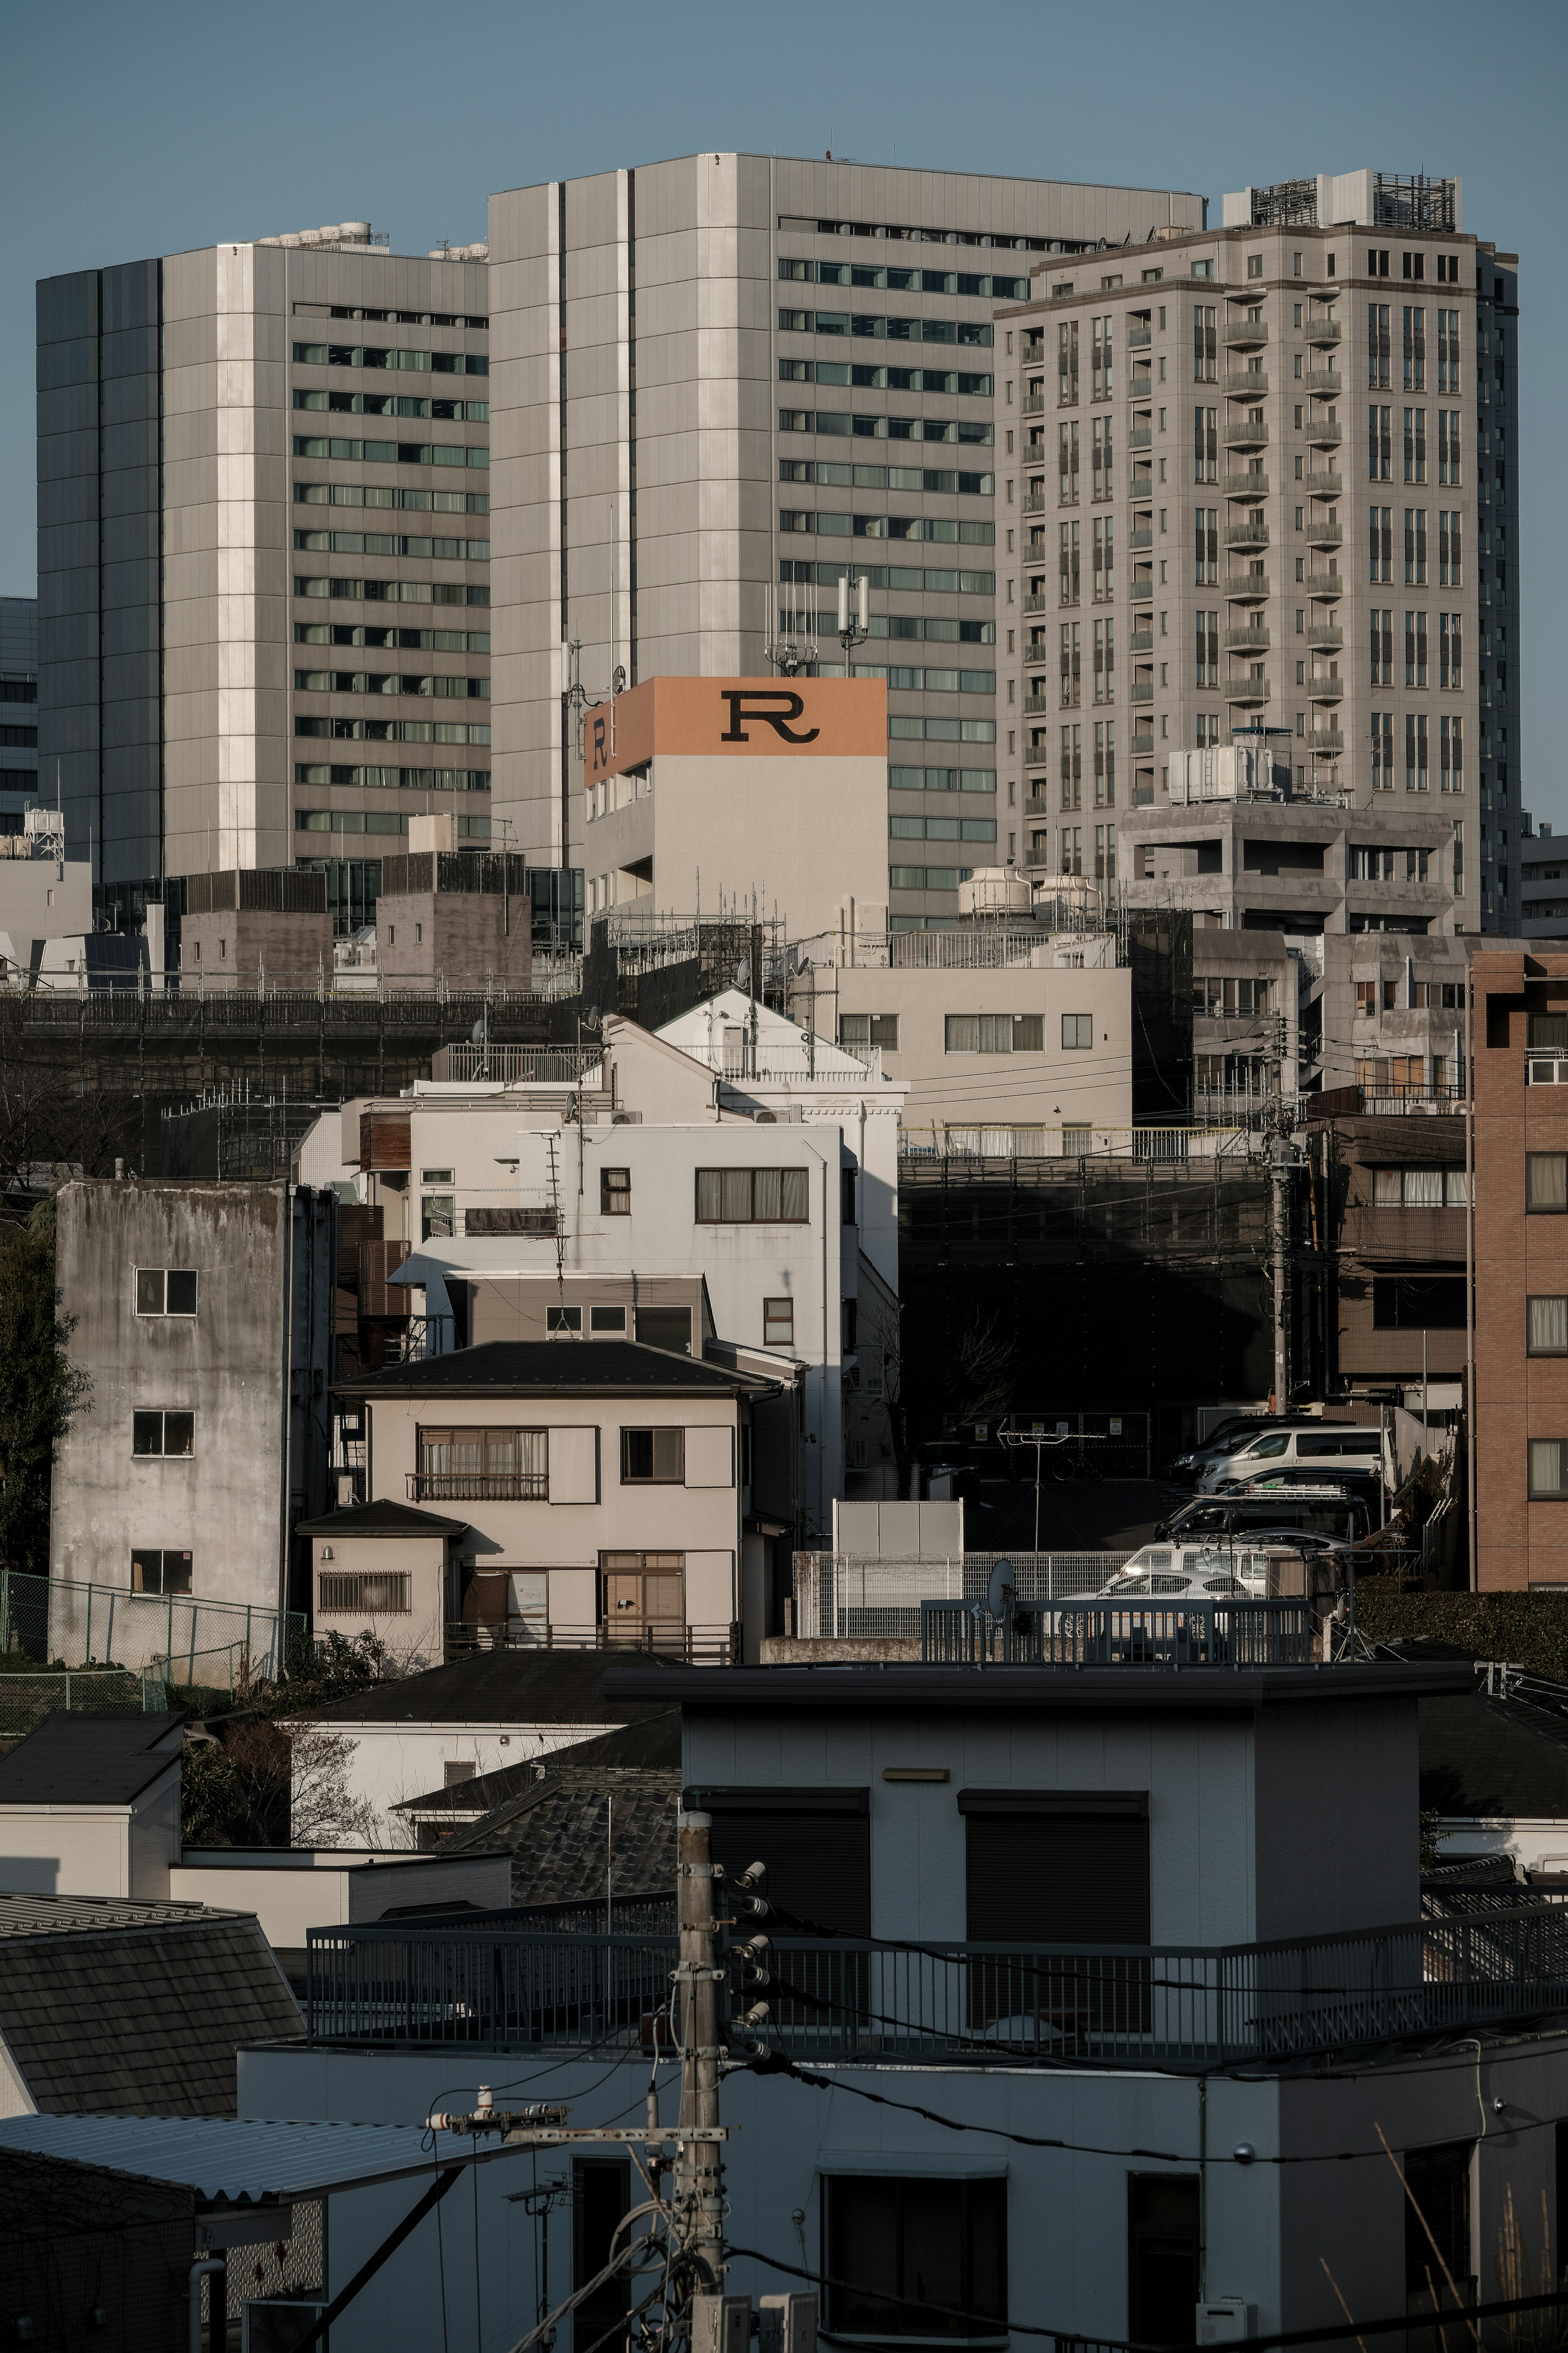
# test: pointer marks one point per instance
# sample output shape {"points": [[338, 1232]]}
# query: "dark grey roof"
{"points": [[72, 1760], [381, 1518], [634, 1747], [1501, 1758], [126, 2009], [1036, 1690], [582, 1820], [560, 1368], [498, 1687]]}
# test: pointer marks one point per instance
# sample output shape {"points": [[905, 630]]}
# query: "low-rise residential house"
{"points": [[90, 1805], [606, 1488], [387, 1569], [202, 1317], [1388, 1195], [462, 1815]]}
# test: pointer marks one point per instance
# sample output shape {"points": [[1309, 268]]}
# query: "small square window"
{"points": [[1546, 1183], [610, 1322], [1077, 1031], [435, 1176], [156, 1570], [1549, 1467], [163, 1433], [166, 1291], [1547, 1326], [438, 1217], [615, 1192], [778, 1323], [653, 1458], [563, 1319]]}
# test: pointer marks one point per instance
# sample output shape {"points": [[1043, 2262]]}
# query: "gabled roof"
{"points": [[653, 1744], [235, 2159], [516, 1687], [71, 1759], [129, 2009], [579, 1826], [381, 1518], [1502, 1759], [558, 1369]]}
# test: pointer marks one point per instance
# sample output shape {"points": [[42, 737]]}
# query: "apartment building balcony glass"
{"points": [[1140, 437], [1141, 591], [1243, 335], [1328, 380], [1141, 384], [1142, 744], [1244, 433], [1141, 641], [1246, 534], [1034, 504], [1246, 587], [1324, 583], [1253, 636], [1245, 486], [1248, 384], [1329, 637], [1034, 406], [1323, 432], [1142, 690], [1325, 743], [1322, 331], [1323, 534], [1324, 486], [1139, 337], [1140, 538], [1250, 690]]}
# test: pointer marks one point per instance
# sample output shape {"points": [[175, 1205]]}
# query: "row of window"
{"points": [[1420, 1188], [840, 421], [1379, 445], [386, 404], [1231, 998], [363, 355], [857, 378], [903, 527], [1012, 1033], [931, 581], [393, 731], [19, 738], [940, 479], [360, 494], [396, 681], [1074, 858], [383, 780], [927, 878], [1418, 545], [391, 591], [1372, 995], [1450, 649], [1379, 348], [904, 281], [868, 325], [393, 453], [904, 728], [469, 829], [1070, 654], [941, 780], [908, 680], [1104, 756], [1366, 864], [514, 1465], [377, 542], [19, 690], [424, 641], [1418, 752], [942, 829], [823, 621]]}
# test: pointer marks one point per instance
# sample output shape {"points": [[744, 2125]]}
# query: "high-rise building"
{"points": [[220, 655], [18, 709], [1270, 481], [718, 383]]}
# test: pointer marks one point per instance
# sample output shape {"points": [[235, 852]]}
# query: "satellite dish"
{"points": [[1000, 1593]]}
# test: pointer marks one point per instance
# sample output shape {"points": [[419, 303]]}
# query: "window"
{"points": [[1104, 559], [739, 1196], [665, 1327], [1205, 343], [778, 1323], [1162, 2239], [1448, 445], [1416, 546], [1380, 444], [653, 1458], [1072, 663], [364, 1593], [870, 1030], [1382, 646], [1077, 1032], [166, 1291], [1450, 548], [1451, 758], [1102, 432], [1377, 345], [1416, 744], [919, 2250], [1438, 2212], [1418, 1189], [1105, 761], [156, 1571], [1546, 1326], [1415, 445], [1450, 651], [1067, 364], [1067, 463], [1545, 1183], [615, 1192], [1105, 661], [1207, 642], [1549, 1466], [1205, 445], [563, 1319], [607, 1321], [1067, 562], [846, 1197], [163, 1433], [993, 1033], [476, 1463], [1382, 748], [1072, 769], [1101, 374]]}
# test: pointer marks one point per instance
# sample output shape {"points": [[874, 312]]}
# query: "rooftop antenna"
{"points": [[787, 653], [854, 627]]}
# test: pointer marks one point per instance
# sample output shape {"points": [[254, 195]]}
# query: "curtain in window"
{"points": [[1423, 1189], [735, 1196], [1546, 1466], [794, 1205], [1545, 1180], [1548, 1327]]}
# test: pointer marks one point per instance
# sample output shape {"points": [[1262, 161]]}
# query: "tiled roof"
{"points": [[1497, 1758], [380, 1518], [75, 1759], [557, 1367], [656, 1743], [585, 1821], [134, 2010]]}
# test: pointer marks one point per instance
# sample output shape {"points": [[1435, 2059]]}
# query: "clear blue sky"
{"points": [[145, 129]]}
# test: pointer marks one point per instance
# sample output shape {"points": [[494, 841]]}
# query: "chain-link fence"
{"points": [[27, 1699], [166, 1636], [840, 1596]]}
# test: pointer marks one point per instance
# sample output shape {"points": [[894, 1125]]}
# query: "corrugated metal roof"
{"points": [[232, 2159]]}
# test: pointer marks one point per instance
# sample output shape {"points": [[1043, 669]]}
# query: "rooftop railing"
{"points": [[498, 1984], [1173, 1634]]}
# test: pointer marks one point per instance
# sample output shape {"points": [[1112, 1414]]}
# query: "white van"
{"points": [[1356, 1446]]}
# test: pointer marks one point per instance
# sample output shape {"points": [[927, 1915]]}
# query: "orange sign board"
{"points": [[754, 718]]}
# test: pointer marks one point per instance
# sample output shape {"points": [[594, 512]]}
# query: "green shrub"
{"points": [[1531, 1629]]}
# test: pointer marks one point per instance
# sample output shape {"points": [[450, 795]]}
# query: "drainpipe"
{"points": [[205, 2267], [822, 1424], [1474, 1515]]}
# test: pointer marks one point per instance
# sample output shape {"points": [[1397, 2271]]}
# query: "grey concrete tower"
{"points": [[702, 370], [195, 414]]}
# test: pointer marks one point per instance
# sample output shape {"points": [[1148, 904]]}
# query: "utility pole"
{"points": [[1279, 1171], [699, 2172]]}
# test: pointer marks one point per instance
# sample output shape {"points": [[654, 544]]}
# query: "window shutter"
{"points": [[709, 1457], [574, 1466], [1044, 1869], [815, 1842]]}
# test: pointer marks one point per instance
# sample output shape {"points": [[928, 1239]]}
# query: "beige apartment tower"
{"points": [[718, 383], [1269, 477]]}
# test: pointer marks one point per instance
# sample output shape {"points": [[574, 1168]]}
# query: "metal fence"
{"points": [[62, 1624], [1188, 1633], [1168, 2005], [25, 1700], [840, 1596]]}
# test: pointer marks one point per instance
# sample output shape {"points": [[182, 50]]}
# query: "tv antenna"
{"points": [[786, 652]]}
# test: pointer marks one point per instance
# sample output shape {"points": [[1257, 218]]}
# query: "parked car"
{"points": [[1279, 1510], [1327, 1445], [1230, 1438], [1195, 1572]]}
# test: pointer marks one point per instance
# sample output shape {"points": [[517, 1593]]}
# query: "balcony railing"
{"points": [[1323, 432], [478, 1486], [1325, 584], [1245, 587], [1141, 591], [1324, 486], [1327, 380], [1142, 690], [1138, 338], [1140, 437], [1323, 331], [1239, 641], [699, 1646], [1243, 433], [1242, 333], [1141, 641], [1330, 639], [499, 1983], [1140, 385], [1233, 1634], [1245, 486], [1242, 382], [1034, 505], [1325, 534], [1327, 744], [1034, 406], [1246, 534]]}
